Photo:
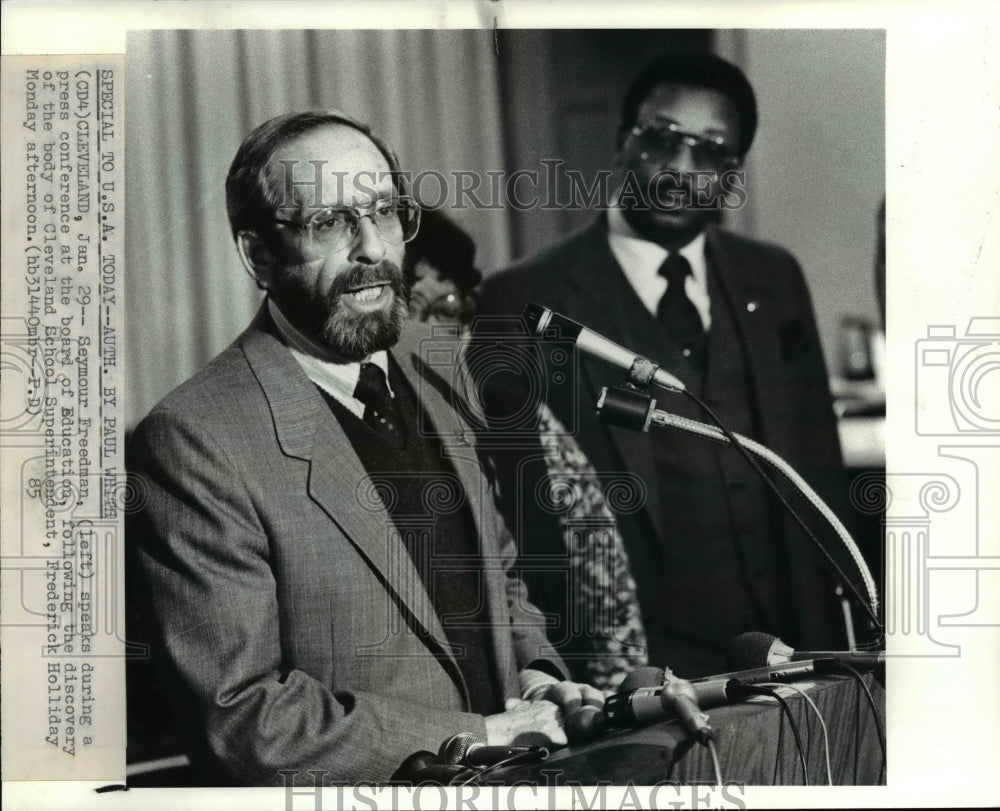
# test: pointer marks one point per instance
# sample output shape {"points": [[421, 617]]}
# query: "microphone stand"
{"points": [[632, 408]]}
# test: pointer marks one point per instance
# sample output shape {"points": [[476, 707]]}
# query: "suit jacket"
{"points": [[288, 607], [581, 279]]}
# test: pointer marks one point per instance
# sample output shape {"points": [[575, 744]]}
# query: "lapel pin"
{"points": [[752, 306]]}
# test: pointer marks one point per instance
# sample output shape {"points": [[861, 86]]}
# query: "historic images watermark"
{"points": [[306, 790], [550, 187], [928, 514]]}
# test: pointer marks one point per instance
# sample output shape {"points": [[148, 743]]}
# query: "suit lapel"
{"points": [[441, 404], [599, 294], [338, 481], [744, 283]]}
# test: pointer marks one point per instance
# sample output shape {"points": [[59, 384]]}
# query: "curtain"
{"points": [[191, 98]]}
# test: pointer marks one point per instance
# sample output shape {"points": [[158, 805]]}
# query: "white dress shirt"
{"points": [[640, 259], [336, 378]]}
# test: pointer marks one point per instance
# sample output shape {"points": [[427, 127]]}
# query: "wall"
{"points": [[192, 96], [562, 93], [447, 102], [816, 174]]}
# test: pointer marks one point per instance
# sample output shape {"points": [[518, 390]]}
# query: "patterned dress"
{"points": [[602, 591]]}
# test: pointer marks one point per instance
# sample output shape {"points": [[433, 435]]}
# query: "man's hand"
{"points": [[567, 695], [526, 723], [536, 719]]}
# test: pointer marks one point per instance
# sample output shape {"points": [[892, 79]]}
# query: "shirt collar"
{"points": [[647, 256], [338, 378]]}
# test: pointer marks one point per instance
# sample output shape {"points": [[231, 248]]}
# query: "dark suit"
{"points": [[764, 352], [288, 607]]}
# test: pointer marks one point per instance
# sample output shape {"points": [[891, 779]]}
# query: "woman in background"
{"points": [[442, 272], [598, 580]]}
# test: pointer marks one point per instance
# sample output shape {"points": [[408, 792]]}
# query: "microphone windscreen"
{"points": [[642, 677], [751, 650], [532, 314], [544, 323], [413, 766], [454, 749], [585, 724]]}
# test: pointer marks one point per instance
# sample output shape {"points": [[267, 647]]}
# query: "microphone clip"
{"points": [[626, 406]]}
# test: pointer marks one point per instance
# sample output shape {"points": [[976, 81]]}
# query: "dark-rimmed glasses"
{"points": [[396, 218]]}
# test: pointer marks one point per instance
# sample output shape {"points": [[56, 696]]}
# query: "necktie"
{"points": [[380, 408], [677, 314]]}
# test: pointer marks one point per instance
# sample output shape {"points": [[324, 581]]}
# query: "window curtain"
{"points": [[192, 96]]}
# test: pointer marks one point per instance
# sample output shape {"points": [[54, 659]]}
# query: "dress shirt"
{"points": [[336, 378], [640, 259]]}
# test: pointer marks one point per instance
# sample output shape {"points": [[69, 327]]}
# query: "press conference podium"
{"points": [[754, 741]]}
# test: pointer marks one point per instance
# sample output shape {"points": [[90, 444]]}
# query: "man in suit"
{"points": [[327, 574], [710, 554]]}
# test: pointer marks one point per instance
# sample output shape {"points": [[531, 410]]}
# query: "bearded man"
{"points": [[710, 553], [327, 576]]}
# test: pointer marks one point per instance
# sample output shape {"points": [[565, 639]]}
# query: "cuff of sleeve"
{"points": [[536, 677], [547, 666]]}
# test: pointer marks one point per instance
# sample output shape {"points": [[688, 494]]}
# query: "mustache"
{"points": [[673, 183], [384, 272]]}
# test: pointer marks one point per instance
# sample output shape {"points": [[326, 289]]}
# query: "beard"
{"points": [[662, 208], [350, 335]]}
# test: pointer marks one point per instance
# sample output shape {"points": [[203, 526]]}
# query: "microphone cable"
{"points": [[777, 760], [685, 746], [875, 716], [752, 689], [510, 761], [822, 723], [643, 372], [715, 762], [870, 606]]}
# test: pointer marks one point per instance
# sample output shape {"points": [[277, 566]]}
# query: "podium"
{"points": [[754, 741]]}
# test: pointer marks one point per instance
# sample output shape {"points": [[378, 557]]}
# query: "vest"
{"points": [[719, 570], [441, 541]]}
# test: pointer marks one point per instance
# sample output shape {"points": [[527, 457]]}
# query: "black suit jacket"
{"points": [[581, 279]]}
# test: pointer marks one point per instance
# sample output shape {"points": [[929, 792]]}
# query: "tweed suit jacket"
{"points": [[290, 611], [580, 278]]}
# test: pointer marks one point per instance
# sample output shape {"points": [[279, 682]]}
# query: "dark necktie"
{"points": [[380, 408], [677, 314]]}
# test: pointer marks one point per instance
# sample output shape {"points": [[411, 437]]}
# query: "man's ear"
{"points": [[258, 259]]}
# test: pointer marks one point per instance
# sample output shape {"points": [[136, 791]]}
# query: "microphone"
{"points": [[466, 749], [425, 768], [711, 689], [667, 696], [679, 698], [757, 649], [585, 724], [645, 676], [637, 701], [641, 371], [640, 699]]}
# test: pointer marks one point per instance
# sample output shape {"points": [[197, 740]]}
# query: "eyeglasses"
{"points": [[663, 140], [396, 218]]}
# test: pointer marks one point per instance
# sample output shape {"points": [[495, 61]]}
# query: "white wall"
{"points": [[816, 173]]}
